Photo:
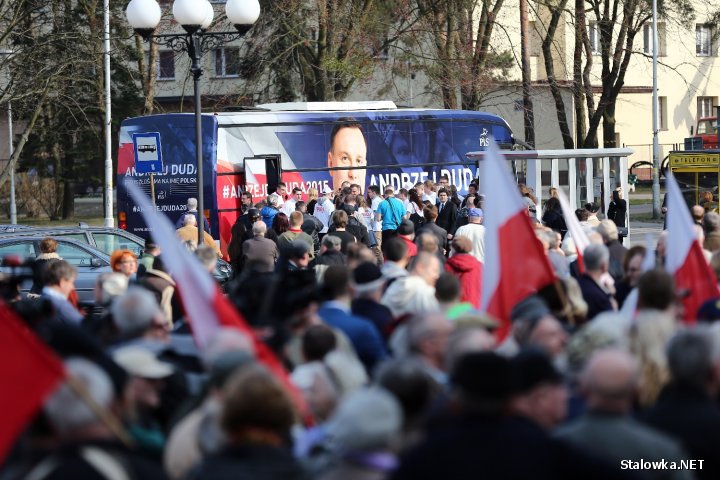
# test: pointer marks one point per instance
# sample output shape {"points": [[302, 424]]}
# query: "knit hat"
{"points": [[367, 277]]}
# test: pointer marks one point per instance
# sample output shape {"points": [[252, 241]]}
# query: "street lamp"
{"points": [[195, 17]]}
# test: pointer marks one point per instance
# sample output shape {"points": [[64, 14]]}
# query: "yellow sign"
{"points": [[696, 160]]}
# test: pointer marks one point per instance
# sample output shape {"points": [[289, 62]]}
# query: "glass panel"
{"points": [[109, 242], [232, 61], [218, 62], [80, 237], [74, 255], [581, 182], [24, 250]]}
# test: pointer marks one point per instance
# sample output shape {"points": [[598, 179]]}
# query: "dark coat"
{"points": [[377, 313], [554, 219], [617, 212], [617, 257], [689, 414], [330, 258], [250, 462], [447, 217], [241, 231], [360, 331], [498, 448], [439, 232], [597, 299]]}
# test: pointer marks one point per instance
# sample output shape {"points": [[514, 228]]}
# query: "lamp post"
{"points": [[195, 17]]}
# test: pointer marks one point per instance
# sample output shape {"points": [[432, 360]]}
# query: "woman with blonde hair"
{"points": [[312, 200], [649, 336]]}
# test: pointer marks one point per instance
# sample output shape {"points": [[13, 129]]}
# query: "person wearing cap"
{"points": [[297, 256], [192, 208], [430, 213], [533, 325], [145, 261], [539, 394], [479, 440], [142, 394], [368, 285], [330, 252], [324, 208], [466, 268], [406, 232], [475, 231], [609, 382]]}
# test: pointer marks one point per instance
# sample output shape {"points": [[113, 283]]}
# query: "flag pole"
{"points": [[110, 420]]}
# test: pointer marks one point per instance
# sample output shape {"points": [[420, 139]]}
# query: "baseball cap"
{"points": [[367, 277], [327, 190], [140, 362], [253, 213], [475, 212]]}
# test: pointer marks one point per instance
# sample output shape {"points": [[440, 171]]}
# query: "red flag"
{"points": [[30, 372], [515, 262], [207, 309], [685, 259]]}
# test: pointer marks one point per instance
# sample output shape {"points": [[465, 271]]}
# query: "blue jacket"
{"points": [[268, 215], [361, 332]]}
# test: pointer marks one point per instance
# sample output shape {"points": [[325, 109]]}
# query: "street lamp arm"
{"points": [[182, 42]]}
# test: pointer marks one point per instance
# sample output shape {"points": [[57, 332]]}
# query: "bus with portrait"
{"points": [[299, 144]]}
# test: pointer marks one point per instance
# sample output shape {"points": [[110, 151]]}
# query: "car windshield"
{"points": [[109, 242], [707, 127]]}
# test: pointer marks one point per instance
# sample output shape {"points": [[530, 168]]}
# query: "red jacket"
{"points": [[412, 248], [469, 271]]}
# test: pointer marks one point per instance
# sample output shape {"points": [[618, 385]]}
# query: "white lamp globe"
{"points": [[190, 13], [143, 14], [208, 16], [242, 12]]}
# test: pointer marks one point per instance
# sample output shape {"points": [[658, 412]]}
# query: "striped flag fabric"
{"points": [[206, 307], [574, 229], [685, 259], [516, 264]]}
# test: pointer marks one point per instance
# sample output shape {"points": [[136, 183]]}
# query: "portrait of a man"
{"points": [[347, 149]]}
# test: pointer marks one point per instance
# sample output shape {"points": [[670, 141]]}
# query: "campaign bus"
{"points": [[246, 150]]}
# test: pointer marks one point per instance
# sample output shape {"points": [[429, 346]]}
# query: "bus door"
{"points": [[230, 186]]}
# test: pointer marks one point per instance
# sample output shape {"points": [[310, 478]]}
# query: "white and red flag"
{"points": [[206, 308], [684, 257], [515, 262], [575, 230]]}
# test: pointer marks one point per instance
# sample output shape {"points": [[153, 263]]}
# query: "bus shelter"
{"points": [[698, 174], [585, 175]]}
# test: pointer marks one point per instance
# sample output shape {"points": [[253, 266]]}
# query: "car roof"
{"points": [[25, 230], [36, 238]]}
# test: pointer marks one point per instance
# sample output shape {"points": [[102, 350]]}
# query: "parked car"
{"points": [[108, 240], [89, 261]]}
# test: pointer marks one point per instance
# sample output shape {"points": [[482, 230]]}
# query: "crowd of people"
{"points": [[371, 301]]}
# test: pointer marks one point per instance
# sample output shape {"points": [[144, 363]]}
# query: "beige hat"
{"points": [[140, 362]]}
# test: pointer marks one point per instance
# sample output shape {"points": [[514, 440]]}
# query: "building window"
{"points": [[227, 62], [703, 40], [706, 106], [594, 37], [166, 65], [648, 39], [662, 110]]}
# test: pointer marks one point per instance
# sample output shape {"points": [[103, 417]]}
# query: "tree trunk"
{"points": [[528, 113], [550, 71], [609, 126], [577, 71]]}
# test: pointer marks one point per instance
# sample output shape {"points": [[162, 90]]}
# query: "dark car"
{"points": [[88, 260], [108, 240]]}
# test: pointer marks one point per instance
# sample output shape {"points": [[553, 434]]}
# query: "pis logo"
{"points": [[484, 140]]}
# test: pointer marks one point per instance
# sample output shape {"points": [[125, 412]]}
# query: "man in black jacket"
{"points": [[430, 213], [447, 213], [311, 225], [354, 225]]}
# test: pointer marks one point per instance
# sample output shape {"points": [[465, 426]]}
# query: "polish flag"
{"points": [[684, 258], [515, 262], [574, 229], [30, 373], [206, 307]]}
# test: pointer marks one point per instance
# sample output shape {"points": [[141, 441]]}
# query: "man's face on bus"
{"points": [[348, 150]]}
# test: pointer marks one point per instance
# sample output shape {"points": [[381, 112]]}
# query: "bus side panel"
{"points": [[394, 147], [178, 180]]}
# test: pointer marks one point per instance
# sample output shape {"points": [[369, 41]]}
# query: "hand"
{"points": [[663, 210], [449, 236]]}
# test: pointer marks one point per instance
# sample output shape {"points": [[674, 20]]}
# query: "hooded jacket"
{"points": [[468, 270], [268, 215]]}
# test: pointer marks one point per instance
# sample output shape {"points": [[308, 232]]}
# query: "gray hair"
{"points": [[207, 256], [189, 219], [595, 255], [110, 285], [134, 312], [608, 230], [65, 411], [192, 203], [225, 340], [332, 242], [690, 354], [259, 228]]}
